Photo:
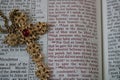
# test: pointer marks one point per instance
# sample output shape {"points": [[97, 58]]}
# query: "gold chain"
{"points": [[21, 32]]}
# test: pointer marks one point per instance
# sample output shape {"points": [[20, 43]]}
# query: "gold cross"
{"points": [[21, 32]]}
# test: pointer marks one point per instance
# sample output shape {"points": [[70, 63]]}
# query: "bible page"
{"points": [[74, 43], [111, 39]]}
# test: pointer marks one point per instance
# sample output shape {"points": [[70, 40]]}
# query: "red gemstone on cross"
{"points": [[26, 32]]}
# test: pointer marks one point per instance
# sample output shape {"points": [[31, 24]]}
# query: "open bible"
{"points": [[82, 44]]}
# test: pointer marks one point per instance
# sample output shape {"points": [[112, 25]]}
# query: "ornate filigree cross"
{"points": [[21, 32]]}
